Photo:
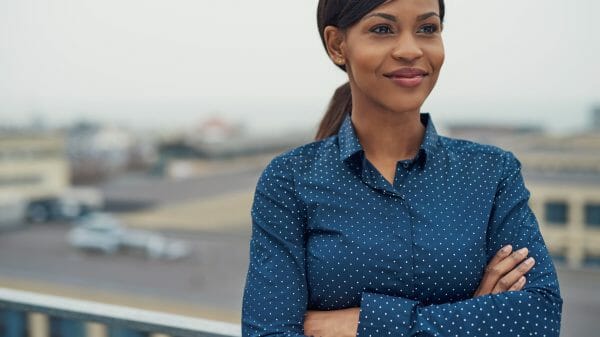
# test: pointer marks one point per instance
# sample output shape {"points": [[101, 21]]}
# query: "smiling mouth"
{"points": [[407, 81], [407, 77]]}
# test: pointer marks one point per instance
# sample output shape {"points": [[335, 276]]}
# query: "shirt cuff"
{"points": [[384, 315]]}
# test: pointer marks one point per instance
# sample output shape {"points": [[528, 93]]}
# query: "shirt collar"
{"points": [[431, 138], [350, 145]]}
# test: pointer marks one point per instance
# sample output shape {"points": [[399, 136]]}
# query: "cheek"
{"points": [[436, 56], [441, 61], [366, 62]]}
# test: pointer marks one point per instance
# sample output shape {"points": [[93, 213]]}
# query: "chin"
{"points": [[406, 104], [401, 100]]}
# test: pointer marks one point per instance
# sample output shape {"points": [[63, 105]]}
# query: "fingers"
{"points": [[514, 276], [500, 255], [489, 279], [504, 271], [518, 285], [507, 264]]}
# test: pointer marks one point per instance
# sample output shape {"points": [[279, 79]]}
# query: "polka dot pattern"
{"points": [[329, 232]]}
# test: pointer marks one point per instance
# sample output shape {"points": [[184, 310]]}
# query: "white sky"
{"points": [[151, 63]]}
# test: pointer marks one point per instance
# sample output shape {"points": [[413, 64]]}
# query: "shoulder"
{"points": [[299, 160], [468, 147], [483, 153]]}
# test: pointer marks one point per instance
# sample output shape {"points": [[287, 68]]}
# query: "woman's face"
{"points": [[394, 54]]}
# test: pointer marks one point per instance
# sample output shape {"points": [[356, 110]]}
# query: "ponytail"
{"points": [[339, 106]]}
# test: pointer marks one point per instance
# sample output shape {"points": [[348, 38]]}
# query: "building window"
{"points": [[591, 261], [559, 257], [556, 212], [592, 215], [24, 180]]}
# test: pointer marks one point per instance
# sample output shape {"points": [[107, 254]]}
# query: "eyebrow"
{"points": [[394, 19]]}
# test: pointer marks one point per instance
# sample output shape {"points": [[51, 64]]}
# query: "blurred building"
{"points": [[35, 179], [217, 139], [568, 209], [215, 130], [596, 118], [33, 173], [96, 152], [563, 175]]}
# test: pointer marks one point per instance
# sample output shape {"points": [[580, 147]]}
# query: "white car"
{"points": [[104, 232], [97, 231], [155, 245]]}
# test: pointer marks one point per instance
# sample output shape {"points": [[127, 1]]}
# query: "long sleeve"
{"points": [[275, 295], [533, 311]]}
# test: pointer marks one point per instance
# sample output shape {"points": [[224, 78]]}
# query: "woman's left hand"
{"points": [[334, 323]]}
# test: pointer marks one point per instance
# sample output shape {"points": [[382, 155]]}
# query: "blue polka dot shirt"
{"points": [[330, 232]]}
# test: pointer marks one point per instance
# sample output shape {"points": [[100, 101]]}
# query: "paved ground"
{"points": [[208, 284], [581, 311], [140, 189], [211, 279], [222, 213]]}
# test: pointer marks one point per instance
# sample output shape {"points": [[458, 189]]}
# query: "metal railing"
{"points": [[18, 306]]}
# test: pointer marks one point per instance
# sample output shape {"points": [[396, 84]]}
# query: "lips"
{"points": [[407, 77]]}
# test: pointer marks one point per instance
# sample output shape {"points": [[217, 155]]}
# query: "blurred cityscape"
{"points": [[162, 220]]}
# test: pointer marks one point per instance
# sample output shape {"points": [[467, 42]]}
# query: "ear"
{"points": [[334, 41]]}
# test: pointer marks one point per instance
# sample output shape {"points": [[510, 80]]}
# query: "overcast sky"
{"points": [[147, 63]]}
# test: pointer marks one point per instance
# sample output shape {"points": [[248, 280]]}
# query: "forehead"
{"points": [[408, 6]]}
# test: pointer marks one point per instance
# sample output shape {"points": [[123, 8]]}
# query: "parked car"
{"points": [[97, 231], [155, 245], [104, 232], [42, 210], [12, 211]]}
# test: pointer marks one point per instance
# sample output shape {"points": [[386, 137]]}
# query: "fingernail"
{"points": [[506, 249], [522, 279], [523, 251], [530, 261]]}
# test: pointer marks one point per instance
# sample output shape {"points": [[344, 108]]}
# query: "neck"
{"points": [[388, 135]]}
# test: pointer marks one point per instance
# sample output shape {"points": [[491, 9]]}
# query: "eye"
{"points": [[428, 29], [381, 29]]}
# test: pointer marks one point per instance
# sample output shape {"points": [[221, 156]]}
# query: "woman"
{"points": [[382, 227]]}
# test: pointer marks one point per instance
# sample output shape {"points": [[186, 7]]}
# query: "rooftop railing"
{"points": [[29, 314]]}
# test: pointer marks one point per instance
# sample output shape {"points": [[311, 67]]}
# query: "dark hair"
{"points": [[343, 14]]}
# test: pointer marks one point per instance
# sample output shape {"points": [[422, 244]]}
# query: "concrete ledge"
{"points": [[135, 319]]}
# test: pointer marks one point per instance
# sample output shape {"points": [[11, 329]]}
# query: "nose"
{"points": [[407, 48]]}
